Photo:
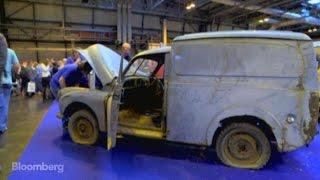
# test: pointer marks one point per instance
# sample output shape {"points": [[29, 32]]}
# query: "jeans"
{"points": [[38, 84], [5, 93]]}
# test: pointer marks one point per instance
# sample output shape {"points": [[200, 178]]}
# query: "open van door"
{"points": [[113, 109], [113, 104]]}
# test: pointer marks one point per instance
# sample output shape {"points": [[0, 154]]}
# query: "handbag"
{"points": [[31, 87]]}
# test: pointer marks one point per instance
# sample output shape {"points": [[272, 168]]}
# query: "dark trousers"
{"points": [[24, 84], [45, 87]]}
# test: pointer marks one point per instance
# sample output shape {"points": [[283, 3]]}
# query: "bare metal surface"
{"points": [[267, 79], [92, 98], [104, 61]]}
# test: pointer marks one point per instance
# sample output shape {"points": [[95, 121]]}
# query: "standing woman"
{"points": [[12, 62], [45, 80]]}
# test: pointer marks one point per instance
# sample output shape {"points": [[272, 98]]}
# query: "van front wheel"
{"points": [[83, 128], [243, 145]]}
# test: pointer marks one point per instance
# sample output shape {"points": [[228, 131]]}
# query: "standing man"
{"points": [[5, 87], [24, 78], [70, 75], [126, 50], [45, 79]]}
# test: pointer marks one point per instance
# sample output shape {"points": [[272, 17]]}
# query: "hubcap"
{"points": [[84, 128], [242, 147]]}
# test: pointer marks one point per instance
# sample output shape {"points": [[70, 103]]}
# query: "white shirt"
{"points": [[45, 71]]}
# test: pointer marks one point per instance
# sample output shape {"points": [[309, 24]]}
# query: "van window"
{"points": [[268, 58], [142, 67]]}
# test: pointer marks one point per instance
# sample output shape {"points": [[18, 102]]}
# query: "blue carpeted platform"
{"points": [[135, 158]]}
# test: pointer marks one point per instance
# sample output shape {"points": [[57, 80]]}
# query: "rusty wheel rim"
{"points": [[242, 148], [83, 128]]}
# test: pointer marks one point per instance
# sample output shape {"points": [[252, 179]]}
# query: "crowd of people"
{"points": [[44, 77], [34, 77]]}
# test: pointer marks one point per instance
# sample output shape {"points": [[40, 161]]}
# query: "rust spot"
{"points": [[300, 83], [311, 129]]}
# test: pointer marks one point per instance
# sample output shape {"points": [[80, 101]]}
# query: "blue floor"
{"points": [[135, 158]]}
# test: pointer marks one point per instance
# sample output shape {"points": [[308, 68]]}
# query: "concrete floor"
{"points": [[24, 117]]}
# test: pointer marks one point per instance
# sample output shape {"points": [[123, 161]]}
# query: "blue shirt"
{"points": [[39, 70], [70, 72], [70, 60], [12, 59]]}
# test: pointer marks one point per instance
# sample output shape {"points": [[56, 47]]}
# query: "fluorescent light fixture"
{"points": [[313, 1], [190, 6]]}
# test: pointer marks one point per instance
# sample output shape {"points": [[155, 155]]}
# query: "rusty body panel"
{"points": [[264, 78], [93, 99]]}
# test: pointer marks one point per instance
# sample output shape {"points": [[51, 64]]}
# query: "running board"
{"points": [[140, 132]]}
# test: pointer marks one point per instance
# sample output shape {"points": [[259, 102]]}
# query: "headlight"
{"points": [[291, 118]]}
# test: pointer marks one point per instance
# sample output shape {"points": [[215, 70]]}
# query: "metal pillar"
{"points": [[119, 21], [3, 19], [129, 24], [164, 32], [92, 19], [35, 31], [124, 22], [124, 26]]}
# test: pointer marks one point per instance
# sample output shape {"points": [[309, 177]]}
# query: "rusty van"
{"points": [[237, 92]]}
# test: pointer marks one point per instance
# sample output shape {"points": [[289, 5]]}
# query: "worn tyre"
{"points": [[243, 145], [83, 128]]}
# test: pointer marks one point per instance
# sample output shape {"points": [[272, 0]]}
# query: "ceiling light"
{"points": [[191, 5], [266, 19], [309, 30], [314, 29], [260, 21]]}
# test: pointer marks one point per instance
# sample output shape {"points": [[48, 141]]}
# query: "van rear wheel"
{"points": [[243, 145], [83, 128]]}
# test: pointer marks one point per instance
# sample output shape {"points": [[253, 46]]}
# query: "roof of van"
{"points": [[160, 50], [246, 34]]}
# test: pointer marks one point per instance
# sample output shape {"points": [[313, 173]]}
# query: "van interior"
{"points": [[141, 104]]}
